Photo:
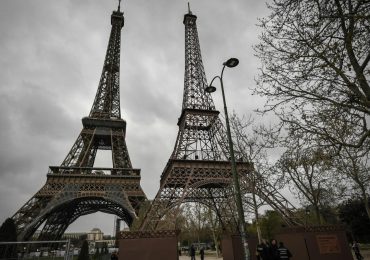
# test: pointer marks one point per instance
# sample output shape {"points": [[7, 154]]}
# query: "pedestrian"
{"points": [[201, 253], [262, 251], [259, 251], [273, 250], [356, 249], [192, 252], [284, 252], [114, 256]]}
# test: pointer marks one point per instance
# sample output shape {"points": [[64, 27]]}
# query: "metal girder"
{"points": [[199, 123], [62, 217], [107, 99], [76, 188], [66, 197]]}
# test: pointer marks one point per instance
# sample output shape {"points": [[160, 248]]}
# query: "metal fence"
{"points": [[37, 250]]}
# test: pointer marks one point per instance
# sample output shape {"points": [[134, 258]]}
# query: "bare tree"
{"points": [[354, 165], [315, 69], [214, 228], [198, 222], [252, 147], [310, 174]]}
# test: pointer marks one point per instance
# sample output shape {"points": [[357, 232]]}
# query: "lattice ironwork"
{"points": [[76, 188], [270, 195], [199, 169]]}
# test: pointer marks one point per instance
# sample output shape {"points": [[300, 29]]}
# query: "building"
{"points": [[95, 234]]}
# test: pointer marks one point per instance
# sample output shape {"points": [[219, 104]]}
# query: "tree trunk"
{"points": [[366, 200], [367, 207], [213, 232], [255, 207], [318, 215]]}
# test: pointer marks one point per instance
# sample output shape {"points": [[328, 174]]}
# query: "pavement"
{"points": [[365, 253], [197, 257]]}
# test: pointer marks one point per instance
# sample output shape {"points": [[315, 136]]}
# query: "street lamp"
{"points": [[307, 211], [230, 63]]}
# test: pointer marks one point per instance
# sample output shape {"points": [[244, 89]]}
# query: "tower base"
{"points": [[316, 242], [148, 245]]}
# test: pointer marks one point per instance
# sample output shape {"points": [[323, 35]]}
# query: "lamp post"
{"points": [[230, 63], [307, 211]]}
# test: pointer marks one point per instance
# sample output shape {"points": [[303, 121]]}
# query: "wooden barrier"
{"points": [[148, 245], [316, 243]]}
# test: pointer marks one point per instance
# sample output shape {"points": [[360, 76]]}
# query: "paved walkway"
{"points": [[365, 253], [206, 257]]}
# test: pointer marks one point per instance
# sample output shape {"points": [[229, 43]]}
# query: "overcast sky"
{"points": [[51, 57]]}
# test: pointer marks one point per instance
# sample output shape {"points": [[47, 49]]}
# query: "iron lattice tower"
{"points": [[199, 169], [76, 188]]}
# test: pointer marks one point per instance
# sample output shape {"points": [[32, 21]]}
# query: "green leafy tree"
{"points": [[84, 253], [270, 224], [353, 213], [8, 233]]}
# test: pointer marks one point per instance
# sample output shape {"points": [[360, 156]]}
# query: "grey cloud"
{"points": [[51, 56]]}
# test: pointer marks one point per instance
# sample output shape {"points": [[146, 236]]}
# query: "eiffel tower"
{"points": [[76, 188], [199, 169]]}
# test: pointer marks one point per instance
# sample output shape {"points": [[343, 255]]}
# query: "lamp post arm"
{"points": [[222, 71], [215, 77]]}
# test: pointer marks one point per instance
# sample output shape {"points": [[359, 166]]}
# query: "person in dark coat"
{"points": [[192, 252], [284, 252], [259, 251], [114, 256], [273, 250], [262, 251], [201, 253], [356, 249]]}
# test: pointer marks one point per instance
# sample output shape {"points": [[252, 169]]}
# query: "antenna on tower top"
{"points": [[119, 5], [189, 8]]}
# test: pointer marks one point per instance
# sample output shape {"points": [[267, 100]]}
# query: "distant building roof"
{"points": [[95, 230]]}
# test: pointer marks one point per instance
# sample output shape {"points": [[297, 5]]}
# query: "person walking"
{"points": [[192, 252], [356, 249], [201, 253], [273, 250], [284, 252]]}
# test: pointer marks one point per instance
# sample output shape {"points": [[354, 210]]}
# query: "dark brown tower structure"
{"points": [[76, 188], [199, 169]]}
